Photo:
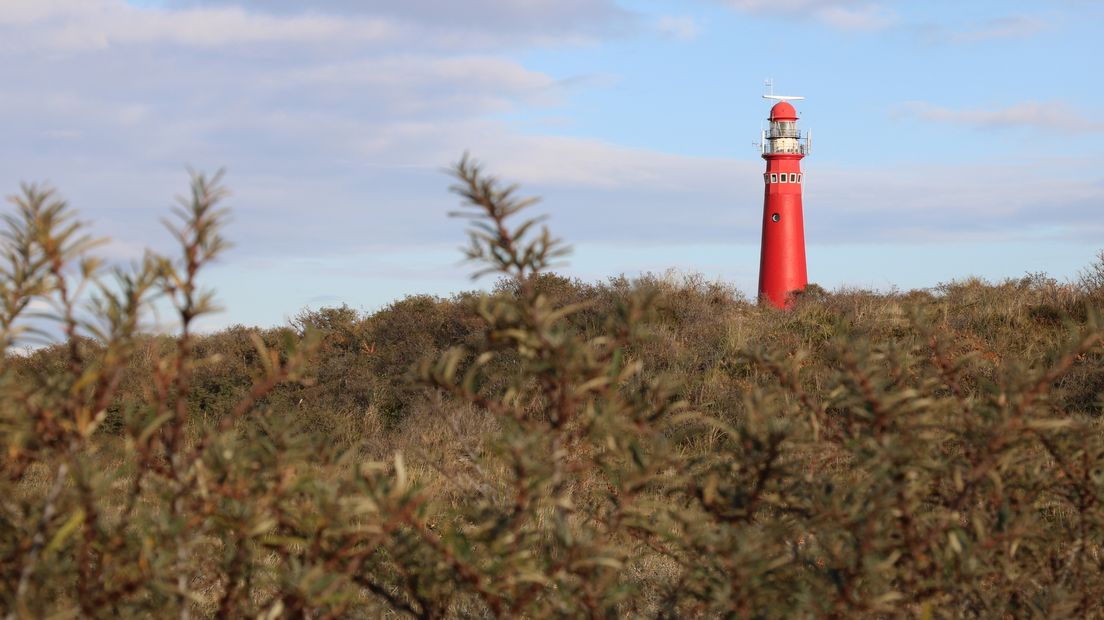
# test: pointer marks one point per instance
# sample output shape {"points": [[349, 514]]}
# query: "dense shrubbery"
{"points": [[657, 446]]}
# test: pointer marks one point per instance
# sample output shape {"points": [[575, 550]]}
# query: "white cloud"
{"points": [[596, 164], [80, 25], [1044, 115], [854, 15], [61, 134], [866, 17], [332, 148], [782, 6], [684, 28], [69, 25], [465, 24], [876, 15], [27, 12], [412, 86]]}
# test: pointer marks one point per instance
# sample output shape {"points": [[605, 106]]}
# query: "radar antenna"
{"points": [[769, 85]]}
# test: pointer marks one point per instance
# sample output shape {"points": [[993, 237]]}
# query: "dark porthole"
{"points": [[775, 217]]}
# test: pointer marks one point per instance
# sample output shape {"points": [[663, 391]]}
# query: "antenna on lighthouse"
{"points": [[769, 85]]}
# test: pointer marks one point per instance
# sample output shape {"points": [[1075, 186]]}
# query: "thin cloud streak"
{"points": [[1012, 27], [1042, 115], [849, 15]]}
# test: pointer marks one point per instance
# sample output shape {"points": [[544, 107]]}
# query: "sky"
{"points": [[952, 138]]}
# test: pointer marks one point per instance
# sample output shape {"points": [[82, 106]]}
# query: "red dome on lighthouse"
{"points": [[783, 111]]}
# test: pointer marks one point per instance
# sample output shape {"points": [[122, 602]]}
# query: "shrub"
{"points": [[656, 447]]}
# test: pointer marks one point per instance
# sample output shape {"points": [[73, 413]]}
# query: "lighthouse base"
{"points": [[782, 270]]}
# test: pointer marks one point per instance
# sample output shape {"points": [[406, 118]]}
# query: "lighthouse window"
{"points": [[800, 178], [783, 129], [775, 217], [774, 177], [793, 177], [782, 178]]}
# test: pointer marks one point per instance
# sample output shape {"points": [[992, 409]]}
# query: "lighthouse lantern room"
{"points": [[782, 270]]}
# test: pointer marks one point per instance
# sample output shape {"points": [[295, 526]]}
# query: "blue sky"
{"points": [[951, 138]]}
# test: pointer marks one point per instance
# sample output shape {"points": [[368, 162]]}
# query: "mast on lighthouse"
{"points": [[782, 259]]}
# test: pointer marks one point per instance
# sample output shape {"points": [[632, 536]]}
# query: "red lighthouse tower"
{"points": [[782, 258]]}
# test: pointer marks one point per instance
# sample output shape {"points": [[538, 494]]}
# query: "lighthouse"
{"points": [[782, 256]]}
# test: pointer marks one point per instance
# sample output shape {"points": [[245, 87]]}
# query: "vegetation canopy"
{"points": [[649, 447]]}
